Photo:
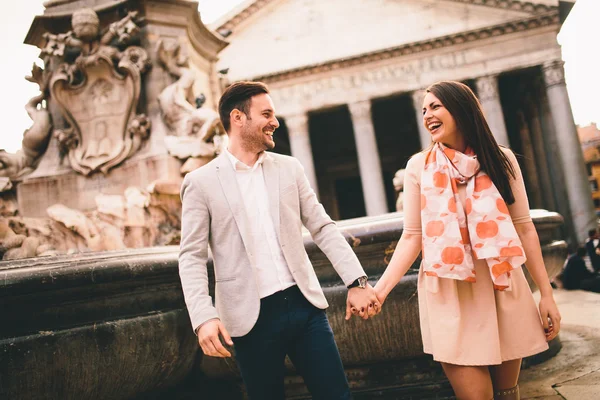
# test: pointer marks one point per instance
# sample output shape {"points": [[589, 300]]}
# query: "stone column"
{"points": [[535, 194], [300, 146], [424, 134], [487, 91], [368, 158], [541, 156], [576, 180]]}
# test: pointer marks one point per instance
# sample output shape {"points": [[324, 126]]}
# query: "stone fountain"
{"points": [[113, 325], [126, 106]]}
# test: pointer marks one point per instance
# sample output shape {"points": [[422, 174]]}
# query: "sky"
{"points": [[578, 39]]}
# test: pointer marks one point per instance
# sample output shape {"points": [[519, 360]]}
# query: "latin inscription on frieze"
{"points": [[388, 73]]}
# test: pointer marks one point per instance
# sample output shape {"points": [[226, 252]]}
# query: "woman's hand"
{"points": [[381, 296], [550, 316]]}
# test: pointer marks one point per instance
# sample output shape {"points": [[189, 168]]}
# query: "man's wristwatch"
{"points": [[360, 282]]}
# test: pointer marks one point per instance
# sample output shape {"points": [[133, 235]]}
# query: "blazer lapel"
{"points": [[271, 174], [227, 178]]}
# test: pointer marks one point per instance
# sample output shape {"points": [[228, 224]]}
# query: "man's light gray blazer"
{"points": [[214, 213]]}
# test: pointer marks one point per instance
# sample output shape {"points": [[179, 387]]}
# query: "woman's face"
{"points": [[439, 122]]}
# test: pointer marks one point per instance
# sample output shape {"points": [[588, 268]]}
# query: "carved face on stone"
{"points": [[439, 122], [85, 24], [399, 180], [260, 124]]}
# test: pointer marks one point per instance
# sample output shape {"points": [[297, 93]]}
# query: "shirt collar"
{"points": [[240, 166]]}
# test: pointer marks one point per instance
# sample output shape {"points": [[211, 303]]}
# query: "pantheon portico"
{"points": [[350, 96]]}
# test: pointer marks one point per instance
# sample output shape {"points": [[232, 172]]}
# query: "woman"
{"points": [[465, 206]]}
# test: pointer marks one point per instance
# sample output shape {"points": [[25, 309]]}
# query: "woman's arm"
{"points": [[533, 252], [519, 212], [407, 250], [537, 270], [409, 245]]}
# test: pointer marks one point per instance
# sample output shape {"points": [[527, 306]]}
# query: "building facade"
{"points": [[590, 145], [348, 78]]}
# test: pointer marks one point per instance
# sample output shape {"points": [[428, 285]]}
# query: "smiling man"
{"points": [[249, 205]]}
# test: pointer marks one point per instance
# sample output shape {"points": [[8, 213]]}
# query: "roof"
{"points": [[248, 8]]}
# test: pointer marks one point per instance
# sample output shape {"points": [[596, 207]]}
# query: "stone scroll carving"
{"points": [[196, 133], [98, 92], [35, 139]]}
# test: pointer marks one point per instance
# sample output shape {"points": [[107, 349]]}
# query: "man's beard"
{"points": [[253, 142]]}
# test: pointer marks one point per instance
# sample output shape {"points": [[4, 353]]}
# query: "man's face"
{"points": [[260, 123]]}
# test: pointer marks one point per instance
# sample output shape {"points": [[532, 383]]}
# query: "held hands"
{"points": [[362, 302], [550, 317], [208, 338], [381, 296]]}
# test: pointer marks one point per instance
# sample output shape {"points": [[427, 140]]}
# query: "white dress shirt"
{"points": [[272, 269]]}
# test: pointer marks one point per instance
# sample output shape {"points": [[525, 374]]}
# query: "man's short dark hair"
{"points": [[238, 96], [592, 232]]}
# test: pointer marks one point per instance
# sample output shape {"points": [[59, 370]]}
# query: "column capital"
{"points": [[297, 124], [417, 98], [360, 109], [487, 87], [554, 73]]}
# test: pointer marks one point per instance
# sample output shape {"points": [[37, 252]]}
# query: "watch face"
{"points": [[362, 281]]}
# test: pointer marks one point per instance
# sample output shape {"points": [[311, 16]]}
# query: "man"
{"points": [[250, 205], [591, 247], [577, 276]]}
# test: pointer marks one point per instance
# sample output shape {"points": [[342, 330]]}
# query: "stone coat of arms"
{"points": [[98, 93]]}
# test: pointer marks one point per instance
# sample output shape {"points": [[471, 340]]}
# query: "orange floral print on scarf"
{"points": [[453, 234]]}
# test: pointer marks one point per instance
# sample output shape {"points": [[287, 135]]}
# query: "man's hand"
{"points": [[362, 302], [208, 338]]}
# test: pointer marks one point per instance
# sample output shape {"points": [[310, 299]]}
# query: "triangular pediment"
{"points": [[287, 34]]}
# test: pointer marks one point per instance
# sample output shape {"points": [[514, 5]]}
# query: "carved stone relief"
{"points": [[35, 139], [398, 182], [554, 73], [196, 133], [98, 92]]}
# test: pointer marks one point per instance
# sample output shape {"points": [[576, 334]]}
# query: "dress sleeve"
{"points": [[412, 195], [519, 210]]}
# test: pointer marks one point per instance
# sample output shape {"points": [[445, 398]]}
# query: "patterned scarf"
{"points": [[449, 236]]}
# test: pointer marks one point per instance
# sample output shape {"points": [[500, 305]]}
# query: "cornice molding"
{"points": [[244, 14], [514, 5], [530, 23]]}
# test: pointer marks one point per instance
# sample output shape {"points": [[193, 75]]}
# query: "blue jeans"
{"points": [[289, 324]]}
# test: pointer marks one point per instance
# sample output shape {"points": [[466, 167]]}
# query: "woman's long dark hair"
{"points": [[464, 106]]}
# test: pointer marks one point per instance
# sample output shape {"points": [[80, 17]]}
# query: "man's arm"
{"points": [[193, 255], [326, 235]]}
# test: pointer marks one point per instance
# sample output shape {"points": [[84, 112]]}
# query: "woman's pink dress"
{"points": [[471, 323]]}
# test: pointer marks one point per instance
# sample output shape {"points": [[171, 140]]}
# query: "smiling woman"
{"points": [[473, 246]]}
